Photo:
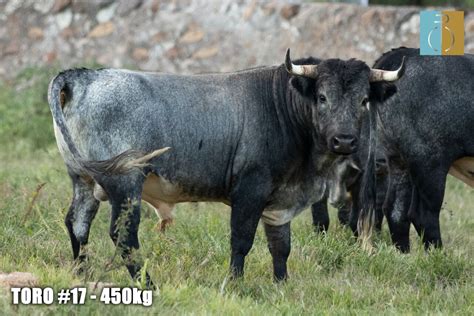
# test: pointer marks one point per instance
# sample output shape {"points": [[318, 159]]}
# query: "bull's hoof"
{"points": [[80, 269], [402, 245], [433, 244], [80, 265], [280, 278], [320, 228]]}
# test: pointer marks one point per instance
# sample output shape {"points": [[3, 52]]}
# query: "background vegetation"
{"points": [[329, 274]]}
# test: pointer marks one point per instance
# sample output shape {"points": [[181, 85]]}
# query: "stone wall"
{"points": [[184, 36]]}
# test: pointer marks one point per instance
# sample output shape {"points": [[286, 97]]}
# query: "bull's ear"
{"points": [[381, 91], [303, 85]]}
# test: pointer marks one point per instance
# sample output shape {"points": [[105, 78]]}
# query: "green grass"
{"points": [[329, 274]]}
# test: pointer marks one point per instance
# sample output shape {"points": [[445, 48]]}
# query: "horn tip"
{"points": [[401, 71], [288, 60]]}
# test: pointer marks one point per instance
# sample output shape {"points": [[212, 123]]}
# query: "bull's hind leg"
{"points": [[80, 215], [125, 197], [279, 244], [164, 211], [319, 210], [429, 192]]}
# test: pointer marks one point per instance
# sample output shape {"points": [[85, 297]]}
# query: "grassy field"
{"points": [[329, 274]]}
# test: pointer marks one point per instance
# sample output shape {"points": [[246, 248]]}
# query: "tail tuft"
{"points": [[368, 193], [123, 163]]}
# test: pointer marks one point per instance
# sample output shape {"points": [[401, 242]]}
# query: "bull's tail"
{"points": [[57, 98], [123, 163], [368, 192]]}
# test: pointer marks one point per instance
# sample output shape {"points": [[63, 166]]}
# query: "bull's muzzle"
{"points": [[344, 144]]}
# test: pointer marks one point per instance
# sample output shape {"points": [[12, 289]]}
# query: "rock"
{"points": [[193, 35], [102, 30], [68, 32], [470, 27], [90, 7], [125, 6], [269, 8], [158, 37], [172, 53], [43, 6], [369, 17], [35, 33], [98, 286], [50, 57], [140, 54], [155, 6], [60, 5], [412, 25], [206, 52], [106, 14], [12, 6], [64, 19], [289, 11], [12, 48], [18, 279], [249, 10]]}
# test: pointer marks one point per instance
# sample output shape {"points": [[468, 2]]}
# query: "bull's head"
{"points": [[339, 93]]}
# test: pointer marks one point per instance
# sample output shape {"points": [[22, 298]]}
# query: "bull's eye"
{"points": [[364, 101], [322, 98]]}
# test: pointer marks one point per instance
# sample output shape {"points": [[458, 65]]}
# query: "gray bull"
{"points": [[259, 140]]}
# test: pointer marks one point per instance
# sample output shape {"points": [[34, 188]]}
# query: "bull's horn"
{"points": [[354, 165], [387, 75], [310, 71]]}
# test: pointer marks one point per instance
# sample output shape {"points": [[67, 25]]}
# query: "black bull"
{"points": [[425, 131], [260, 140]]}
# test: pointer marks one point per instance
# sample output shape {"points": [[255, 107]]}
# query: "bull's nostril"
{"points": [[344, 144], [354, 143]]}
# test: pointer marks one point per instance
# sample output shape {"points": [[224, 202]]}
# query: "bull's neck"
{"points": [[293, 112]]}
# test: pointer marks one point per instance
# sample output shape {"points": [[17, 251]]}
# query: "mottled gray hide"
{"points": [[216, 125]]}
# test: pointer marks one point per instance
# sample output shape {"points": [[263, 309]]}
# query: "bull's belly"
{"points": [[161, 194], [281, 217], [159, 188], [463, 169], [285, 204]]}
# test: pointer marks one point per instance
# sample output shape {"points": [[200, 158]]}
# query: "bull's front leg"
{"points": [[279, 244], [248, 201], [80, 215], [396, 209]]}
